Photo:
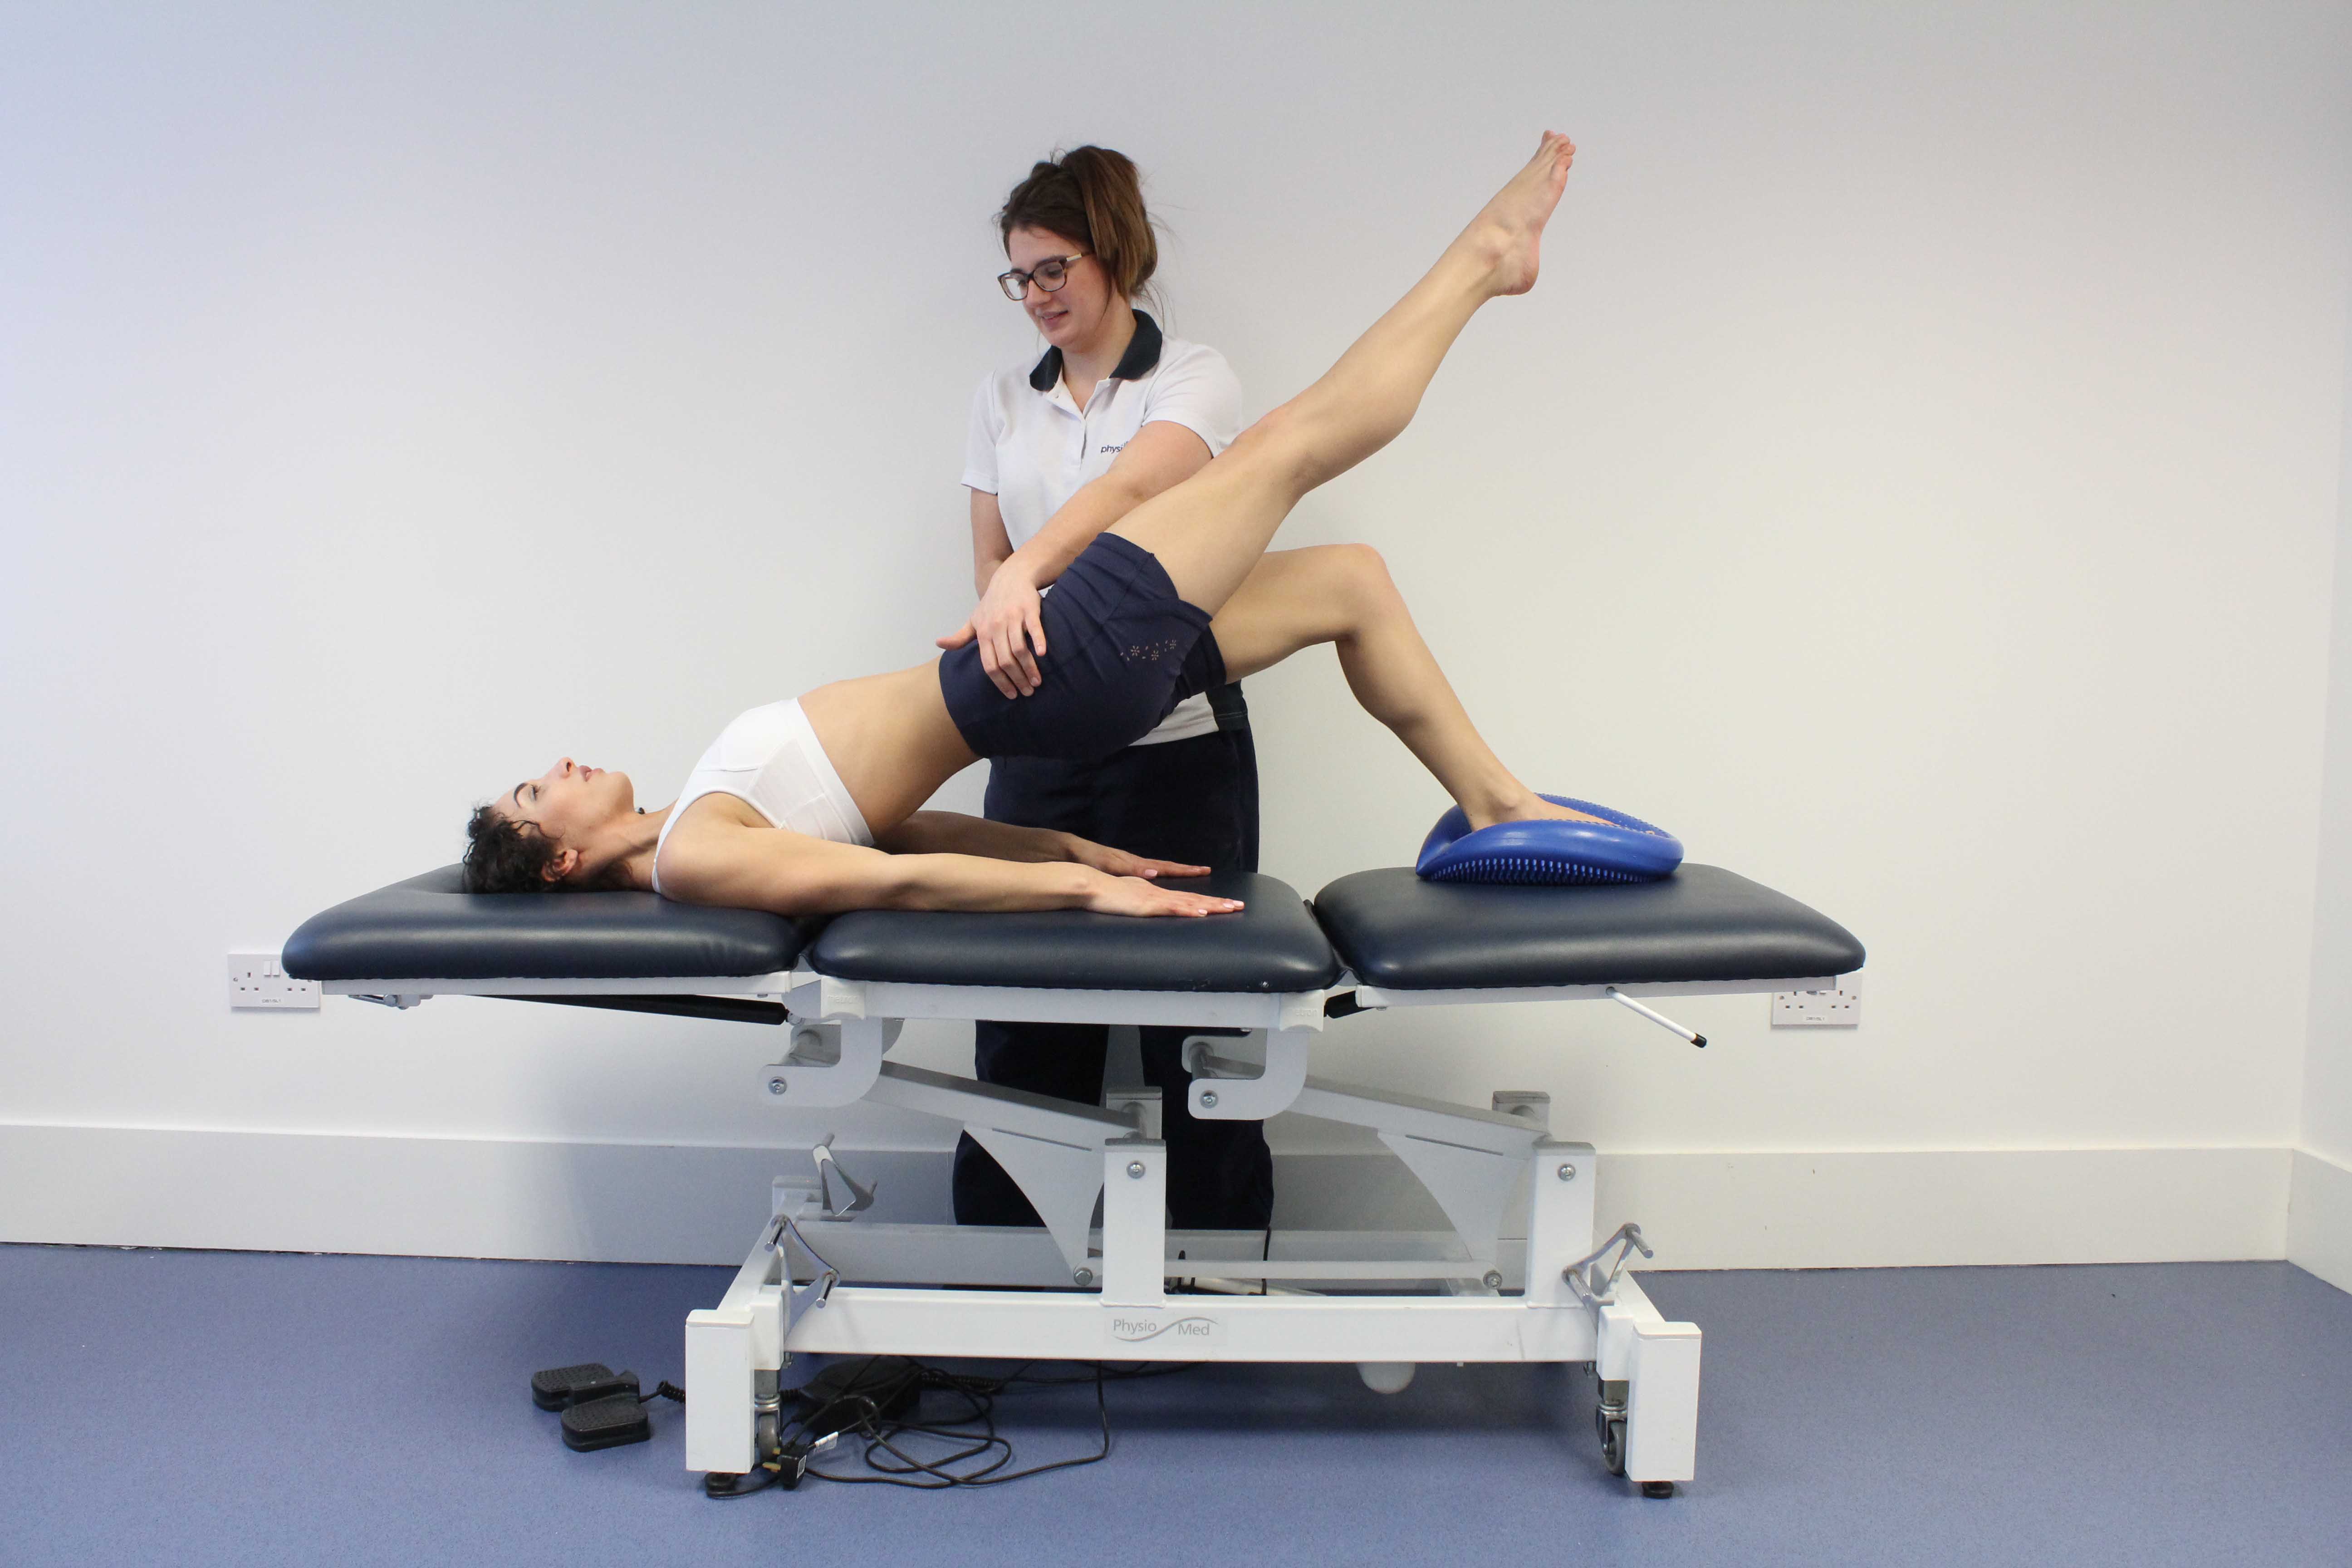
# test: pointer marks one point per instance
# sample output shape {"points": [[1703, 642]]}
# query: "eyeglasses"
{"points": [[1049, 275]]}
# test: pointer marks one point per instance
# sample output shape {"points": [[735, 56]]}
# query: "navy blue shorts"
{"points": [[1121, 650]]}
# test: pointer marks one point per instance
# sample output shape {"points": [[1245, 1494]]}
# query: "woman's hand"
{"points": [[1119, 863], [1109, 895], [1008, 627]]}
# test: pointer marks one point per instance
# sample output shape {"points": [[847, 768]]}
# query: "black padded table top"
{"points": [[1703, 923], [1273, 945], [427, 929], [1393, 930]]}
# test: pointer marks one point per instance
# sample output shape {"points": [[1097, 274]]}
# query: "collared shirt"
{"points": [[1031, 446]]}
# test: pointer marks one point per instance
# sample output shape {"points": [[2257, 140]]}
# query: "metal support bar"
{"points": [[1386, 1111], [1560, 1219], [829, 1063], [1217, 1097], [1370, 996], [1660, 1019], [1077, 1326], [1471, 1161], [1135, 1223], [1051, 1148], [962, 1099], [1025, 1257], [418, 987], [824, 996], [728, 1009]]}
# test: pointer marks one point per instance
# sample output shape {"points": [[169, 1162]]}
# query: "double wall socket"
{"points": [[1816, 1009], [259, 980]]}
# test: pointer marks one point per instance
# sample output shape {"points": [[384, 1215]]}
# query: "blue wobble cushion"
{"points": [[1619, 849]]}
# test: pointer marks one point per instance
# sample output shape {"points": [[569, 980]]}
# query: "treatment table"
{"points": [[1520, 1277]]}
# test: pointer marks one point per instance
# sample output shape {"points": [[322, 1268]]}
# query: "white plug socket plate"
{"points": [[256, 980], [1816, 1009]]}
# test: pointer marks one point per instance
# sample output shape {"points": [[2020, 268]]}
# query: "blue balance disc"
{"points": [[1619, 848]]}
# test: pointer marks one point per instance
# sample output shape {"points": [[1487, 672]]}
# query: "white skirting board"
{"points": [[2319, 1219], [685, 1204]]}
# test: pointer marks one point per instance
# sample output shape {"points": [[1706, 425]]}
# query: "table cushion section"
{"points": [[428, 928], [1272, 946], [1703, 923]]}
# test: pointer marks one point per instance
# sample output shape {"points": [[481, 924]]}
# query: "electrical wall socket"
{"points": [[1816, 1009], [259, 980]]}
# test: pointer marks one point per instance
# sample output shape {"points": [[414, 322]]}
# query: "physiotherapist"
{"points": [[1113, 412]]}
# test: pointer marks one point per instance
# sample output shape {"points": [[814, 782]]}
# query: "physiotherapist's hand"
{"points": [[1119, 863], [1134, 896], [1009, 629]]}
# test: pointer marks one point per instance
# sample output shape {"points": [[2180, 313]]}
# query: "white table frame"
{"points": [[822, 1281]]}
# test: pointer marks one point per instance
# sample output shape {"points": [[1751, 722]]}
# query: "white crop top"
{"points": [[769, 759]]}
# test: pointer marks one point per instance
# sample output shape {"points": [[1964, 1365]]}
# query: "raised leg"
{"points": [[1209, 531], [1343, 595]]}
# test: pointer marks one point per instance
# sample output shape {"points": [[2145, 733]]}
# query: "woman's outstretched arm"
{"points": [[790, 873], [952, 833]]}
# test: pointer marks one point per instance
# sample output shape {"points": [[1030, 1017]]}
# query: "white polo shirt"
{"points": [[1031, 446]]}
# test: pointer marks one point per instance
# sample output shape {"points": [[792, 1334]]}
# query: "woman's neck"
{"points": [[640, 835], [1084, 365]]}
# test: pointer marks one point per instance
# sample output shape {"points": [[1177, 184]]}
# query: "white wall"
{"points": [[2320, 1230], [1915, 482]]}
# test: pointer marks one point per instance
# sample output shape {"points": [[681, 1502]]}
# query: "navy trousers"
{"points": [[1195, 801]]}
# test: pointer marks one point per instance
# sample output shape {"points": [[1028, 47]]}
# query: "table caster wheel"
{"points": [[1609, 1423], [1657, 1488]]}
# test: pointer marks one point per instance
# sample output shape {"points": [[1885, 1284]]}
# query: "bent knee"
{"points": [[1365, 571]]}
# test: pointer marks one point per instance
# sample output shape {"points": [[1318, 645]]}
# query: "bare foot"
{"points": [[1535, 808], [1509, 229]]}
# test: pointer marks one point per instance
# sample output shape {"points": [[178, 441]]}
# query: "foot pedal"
{"points": [[562, 1387], [607, 1423]]}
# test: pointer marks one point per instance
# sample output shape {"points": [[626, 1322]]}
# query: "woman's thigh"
{"points": [[1211, 530], [1292, 599]]}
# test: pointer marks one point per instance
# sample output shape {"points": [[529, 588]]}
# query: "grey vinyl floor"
{"points": [[189, 1407]]}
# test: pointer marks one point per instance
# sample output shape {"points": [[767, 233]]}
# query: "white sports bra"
{"points": [[769, 759]]}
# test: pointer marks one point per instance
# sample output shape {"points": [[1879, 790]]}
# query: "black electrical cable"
{"points": [[980, 1395], [859, 1413], [974, 1433]]}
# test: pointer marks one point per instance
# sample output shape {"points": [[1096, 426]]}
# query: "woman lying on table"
{"points": [[811, 806]]}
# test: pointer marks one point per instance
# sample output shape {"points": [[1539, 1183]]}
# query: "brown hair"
{"points": [[1092, 195], [503, 856]]}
